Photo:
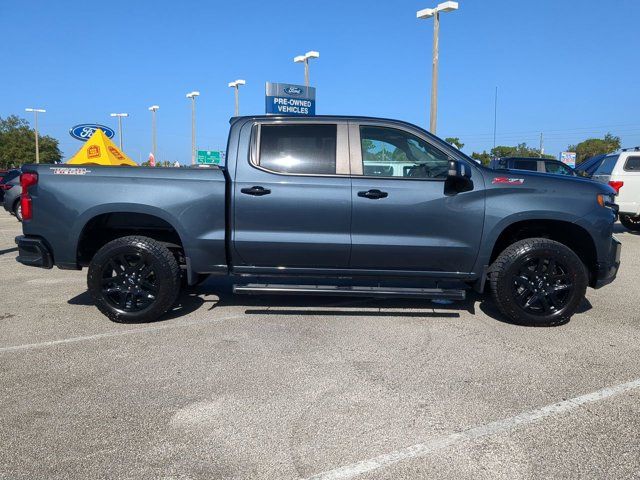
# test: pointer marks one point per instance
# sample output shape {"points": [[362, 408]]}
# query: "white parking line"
{"points": [[31, 346], [504, 425]]}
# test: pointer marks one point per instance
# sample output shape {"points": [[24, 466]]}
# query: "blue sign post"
{"points": [[286, 99], [84, 131]]}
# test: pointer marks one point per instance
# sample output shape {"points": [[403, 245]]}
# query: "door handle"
{"points": [[256, 191], [373, 194]]}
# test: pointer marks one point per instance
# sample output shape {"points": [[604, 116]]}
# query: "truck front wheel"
{"points": [[133, 279], [538, 281]]}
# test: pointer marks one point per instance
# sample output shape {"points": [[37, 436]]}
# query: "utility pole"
{"points": [[541, 145], [236, 86], [120, 115], [154, 143], [193, 95], [305, 59], [35, 112], [435, 13], [495, 117]]}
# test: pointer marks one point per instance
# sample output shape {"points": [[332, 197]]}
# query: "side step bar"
{"points": [[349, 291]]}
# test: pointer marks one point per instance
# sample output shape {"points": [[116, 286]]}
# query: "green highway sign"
{"points": [[209, 157]]}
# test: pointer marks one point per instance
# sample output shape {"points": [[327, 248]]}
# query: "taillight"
{"points": [[6, 186], [616, 185], [27, 180]]}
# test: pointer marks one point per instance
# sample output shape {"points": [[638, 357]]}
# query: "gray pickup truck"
{"points": [[342, 205]]}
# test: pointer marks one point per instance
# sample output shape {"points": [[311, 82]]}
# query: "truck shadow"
{"points": [[217, 293]]}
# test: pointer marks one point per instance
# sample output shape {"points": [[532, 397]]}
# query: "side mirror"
{"points": [[458, 178]]}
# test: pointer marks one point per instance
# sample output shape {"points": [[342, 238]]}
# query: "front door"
{"points": [[402, 219], [292, 197]]}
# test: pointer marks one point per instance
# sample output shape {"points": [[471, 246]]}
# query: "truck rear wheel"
{"points": [[133, 279], [631, 222], [538, 282]]}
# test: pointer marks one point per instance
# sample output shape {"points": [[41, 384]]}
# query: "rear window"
{"points": [[304, 149], [607, 165], [525, 165], [632, 164]]}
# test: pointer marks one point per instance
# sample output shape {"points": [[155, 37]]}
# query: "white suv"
{"points": [[622, 172]]}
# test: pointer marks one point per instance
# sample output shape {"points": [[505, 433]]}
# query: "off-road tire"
{"points": [[631, 222], [506, 278], [166, 278]]}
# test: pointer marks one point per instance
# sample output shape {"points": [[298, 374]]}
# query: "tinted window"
{"points": [[389, 152], [607, 165], [525, 165], [632, 164], [557, 168], [309, 149]]}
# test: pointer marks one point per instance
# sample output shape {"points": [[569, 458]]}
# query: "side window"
{"points": [[557, 168], [389, 152], [525, 165], [304, 149], [632, 164]]}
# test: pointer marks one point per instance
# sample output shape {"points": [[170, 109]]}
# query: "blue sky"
{"points": [[569, 69]]}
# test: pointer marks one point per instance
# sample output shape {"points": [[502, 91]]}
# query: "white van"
{"points": [[622, 172]]}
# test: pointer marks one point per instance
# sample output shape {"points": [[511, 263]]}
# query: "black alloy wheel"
{"points": [[631, 222], [134, 279], [538, 282]]}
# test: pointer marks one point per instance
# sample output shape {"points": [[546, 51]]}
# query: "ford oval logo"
{"points": [[293, 90], [84, 131]]}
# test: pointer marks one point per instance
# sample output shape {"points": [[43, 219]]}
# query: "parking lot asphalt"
{"points": [[291, 387]]}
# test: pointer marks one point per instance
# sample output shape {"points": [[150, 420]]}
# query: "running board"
{"points": [[349, 291]]}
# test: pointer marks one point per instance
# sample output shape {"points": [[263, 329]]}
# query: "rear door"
{"points": [[402, 219], [292, 197]]}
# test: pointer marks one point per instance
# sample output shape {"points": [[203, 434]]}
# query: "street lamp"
{"points": [[36, 111], [120, 115], [435, 13], [305, 59], [153, 109], [192, 96], [236, 85]]}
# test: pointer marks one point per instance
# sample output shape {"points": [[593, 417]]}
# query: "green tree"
{"points": [[18, 144], [520, 150], [483, 157], [455, 141], [595, 146]]}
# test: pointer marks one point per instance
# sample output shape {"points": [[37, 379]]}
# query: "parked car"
{"points": [[297, 199], [622, 172], [6, 178], [589, 166], [544, 165], [11, 199]]}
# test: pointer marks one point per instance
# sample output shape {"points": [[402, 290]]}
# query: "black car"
{"points": [[543, 165], [5, 181]]}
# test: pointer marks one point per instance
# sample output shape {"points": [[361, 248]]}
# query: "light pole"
{"points": [[120, 115], [192, 96], [236, 86], [305, 59], [36, 111], [435, 13], [153, 109]]}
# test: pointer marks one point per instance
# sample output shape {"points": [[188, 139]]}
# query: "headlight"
{"points": [[607, 200]]}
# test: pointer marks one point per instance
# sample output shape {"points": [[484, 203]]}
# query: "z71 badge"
{"points": [[70, 171], [508, 181]]}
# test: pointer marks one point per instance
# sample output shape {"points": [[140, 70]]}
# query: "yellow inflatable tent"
{"points": [[99, 150]]}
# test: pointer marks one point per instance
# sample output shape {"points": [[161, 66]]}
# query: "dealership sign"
{"points": [[84, 131], [568, 158], [286, 99]]}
